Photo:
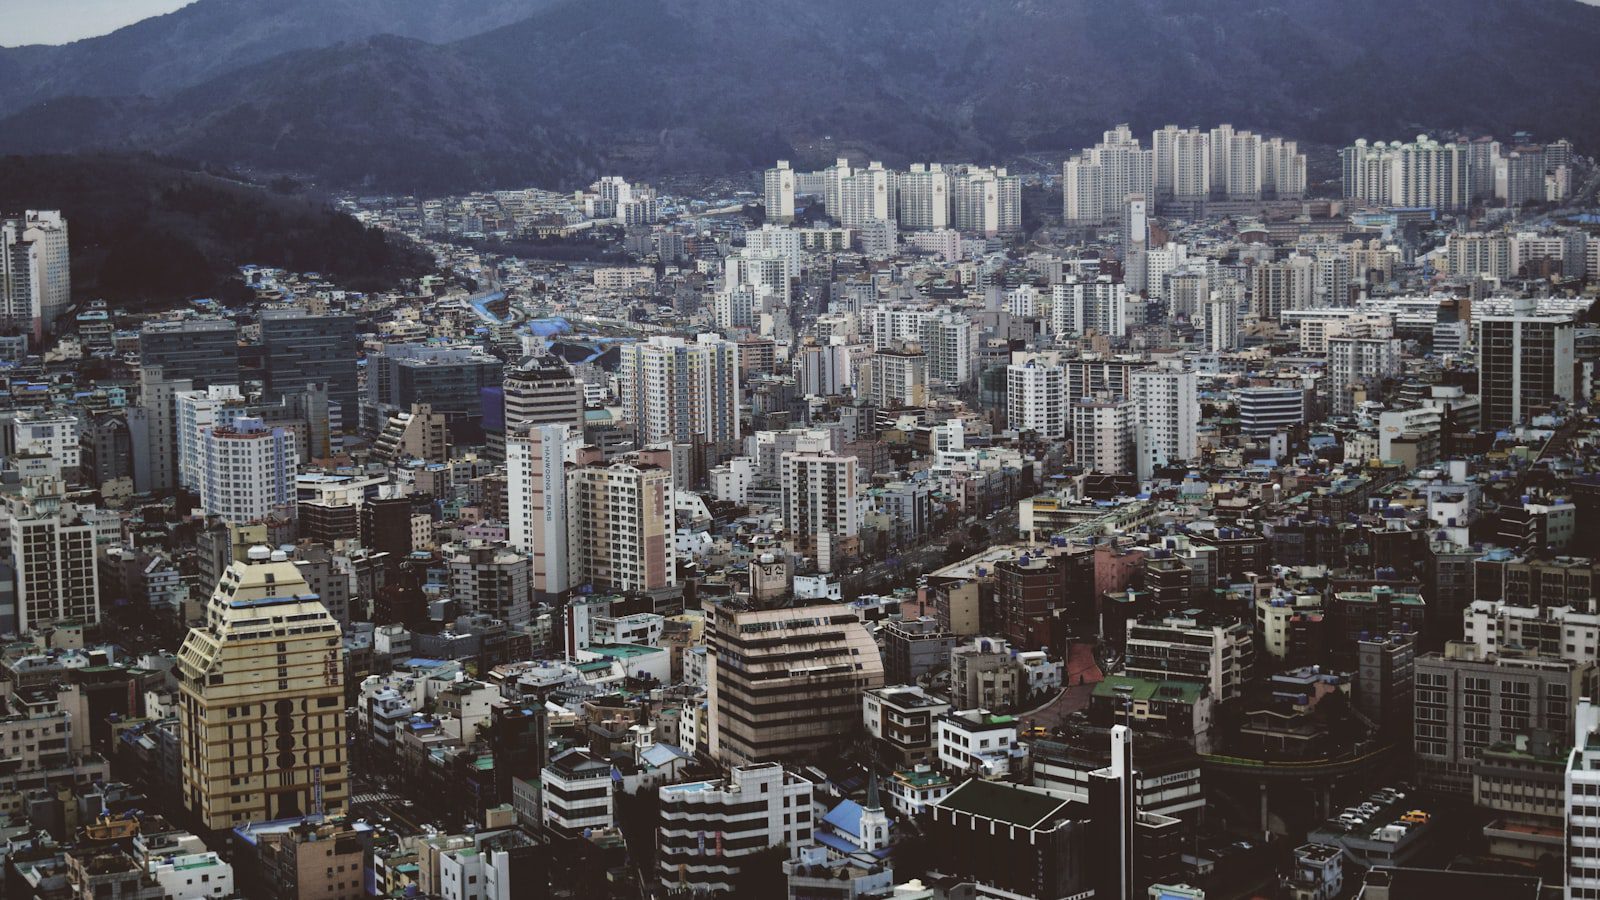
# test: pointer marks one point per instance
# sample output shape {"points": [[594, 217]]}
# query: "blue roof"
{"points": [[845, 817]]}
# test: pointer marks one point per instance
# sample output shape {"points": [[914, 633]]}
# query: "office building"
{"points": [[302, 350], [541, 390], [261, 711], [491, 580], [203, 351], [1267, 410], [35, 273], [707, 826], [785, 683], [678, 391], [576, 795], [446, 379], [1525, 363]]}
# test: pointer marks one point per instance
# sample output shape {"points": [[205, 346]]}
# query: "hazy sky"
{"points": [[61, 21]]}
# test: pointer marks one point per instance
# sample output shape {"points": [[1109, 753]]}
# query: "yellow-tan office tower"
{"points": [[262, 712]]}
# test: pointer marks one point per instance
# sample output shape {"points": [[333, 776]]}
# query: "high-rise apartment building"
{"points": [[1036, 399], [1168, 402], [924, 198], [246, 471], [35, 272], [1280, 286], [900, 377], [1098, 180], [1423, 173], [1103, 434], [1078, 306], [261, 709], [785, 683], [678, 391], [1181, 160], [985, 201], [52, 550], [1359, 363], [620, 526], [779, 193], [1525, 363], [866, 197], [536, 502], [821, 495]]}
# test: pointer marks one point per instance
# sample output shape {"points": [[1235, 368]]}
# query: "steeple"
{"points": [[872, 792], [873, 832]]}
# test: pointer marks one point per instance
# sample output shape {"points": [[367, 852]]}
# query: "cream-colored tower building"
{"points": [[262, 709]]}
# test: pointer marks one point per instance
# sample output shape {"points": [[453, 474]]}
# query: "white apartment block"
{"points": [[1168, 401], [821, 495], [677, 391], [247, 471], [1103, 434], [1036, 399]]}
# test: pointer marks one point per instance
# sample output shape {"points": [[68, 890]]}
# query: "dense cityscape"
{"points": [[1199, 514]]}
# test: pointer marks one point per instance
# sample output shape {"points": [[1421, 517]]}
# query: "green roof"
{"points": [[1123, 686], [1003, 803], [623, 651]]}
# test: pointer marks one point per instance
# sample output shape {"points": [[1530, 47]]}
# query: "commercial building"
{"points": [[707, 826], [536, 504], [261, 708], [203, 351], [1217, 651], [52, 551], [904, 718], [302, 350], [1468, 700], [1525, 363], [785, 682], [35, 273]]}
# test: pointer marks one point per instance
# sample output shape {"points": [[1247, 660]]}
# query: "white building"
{"points": [[977, 743], [52, 549], [924, 201], [536, 503], [55, 436], [198, 412], [1078, 306], [821, 495], [1358, 363], [1266, 410], [1097, 180], [1423, 173], [35, 272], [576, 794], [192, 876], [677, 391], [1036, 399], [985, 201], [247, 471], [1583, 805], [1169, 417], [706, 826], [779, 194]]}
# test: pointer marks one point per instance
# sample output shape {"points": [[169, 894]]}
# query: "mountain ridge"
{"points": [[648, 86]]}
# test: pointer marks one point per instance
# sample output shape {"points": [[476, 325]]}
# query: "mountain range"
{"points": [[421, 95]]}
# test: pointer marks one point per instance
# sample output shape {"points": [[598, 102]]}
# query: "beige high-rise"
{"points": [[262, 709], [786, 684]]}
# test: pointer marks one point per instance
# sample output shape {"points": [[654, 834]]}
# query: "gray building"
{"points": [[913, 648], [448, 379], [302, 350], [204, 351], [1468, 700]]}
